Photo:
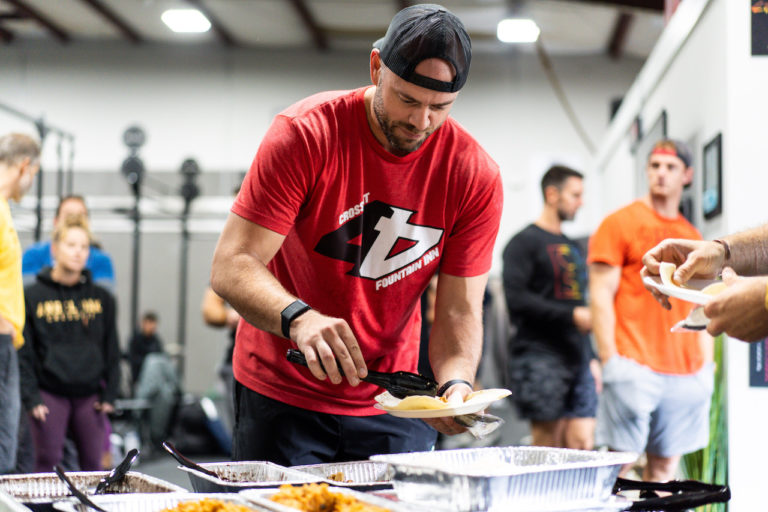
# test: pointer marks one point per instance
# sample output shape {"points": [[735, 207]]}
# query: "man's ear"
{"points": [[551, 193], [688, 176], [375, 66]]}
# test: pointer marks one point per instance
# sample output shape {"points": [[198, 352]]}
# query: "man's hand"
{"points": [[40, 412], [324, 340], [693, 258], [6, 327], [739, 310], [456, 394], [582, 319]]}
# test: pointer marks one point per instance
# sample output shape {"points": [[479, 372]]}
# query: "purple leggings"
{"points": [[84, 423]]}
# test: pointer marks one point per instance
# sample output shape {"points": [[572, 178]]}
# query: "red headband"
{"points": [[665, 151]]}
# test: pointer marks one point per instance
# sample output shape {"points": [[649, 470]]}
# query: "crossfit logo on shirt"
{"points": [[382, 244]]}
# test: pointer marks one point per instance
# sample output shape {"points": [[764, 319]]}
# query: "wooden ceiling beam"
{"points": [[32, 13], [310, 23], [619, 33], [222, 32], [118, 22]]}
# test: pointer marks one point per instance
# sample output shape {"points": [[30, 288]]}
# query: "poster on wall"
{"points": [[712, 182], [758, 371], [759, 27]]}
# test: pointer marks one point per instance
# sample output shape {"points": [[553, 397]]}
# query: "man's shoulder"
{"points": [[321, 101]]}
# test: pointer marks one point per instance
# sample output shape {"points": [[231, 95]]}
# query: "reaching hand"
{"points": [[693, 258], [326, 340], [739, 311], [104, 407], [582, 319]]}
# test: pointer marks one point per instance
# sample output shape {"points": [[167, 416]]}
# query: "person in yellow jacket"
{"points": [[19, 162]]}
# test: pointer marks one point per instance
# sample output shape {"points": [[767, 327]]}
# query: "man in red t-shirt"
{"points": [[354, 201], [656, 384]]}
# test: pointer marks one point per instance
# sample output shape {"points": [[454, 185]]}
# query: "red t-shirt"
{"points": [[642, 325], [365, 231]]}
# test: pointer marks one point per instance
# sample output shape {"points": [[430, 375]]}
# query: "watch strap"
{"points": [[290, 313]]}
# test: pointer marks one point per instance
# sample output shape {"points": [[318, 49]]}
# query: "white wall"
{"points": [[215, 105], [714, 85]]}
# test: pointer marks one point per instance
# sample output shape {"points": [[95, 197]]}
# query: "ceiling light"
{"points": [[517, 30], [186, 20]]}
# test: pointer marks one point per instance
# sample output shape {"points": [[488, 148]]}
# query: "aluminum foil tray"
{"points": [[506, 478], [39, 490], [260, 498], [147, 502], [362, 475], [237, 476], [9, 504]]}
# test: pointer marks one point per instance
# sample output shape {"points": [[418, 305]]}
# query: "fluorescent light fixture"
{"points": [[517, 30], [186, 20]]}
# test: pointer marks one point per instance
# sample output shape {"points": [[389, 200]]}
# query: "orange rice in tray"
{"points": [[318, 498], [208, 505]]}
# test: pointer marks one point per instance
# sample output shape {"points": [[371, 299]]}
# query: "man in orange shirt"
{"points": [[656, 385]]}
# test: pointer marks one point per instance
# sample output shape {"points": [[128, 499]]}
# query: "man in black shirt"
{"points": [[554, 375]]}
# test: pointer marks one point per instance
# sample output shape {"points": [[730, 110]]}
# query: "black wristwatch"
{"points": [[290, 313]]}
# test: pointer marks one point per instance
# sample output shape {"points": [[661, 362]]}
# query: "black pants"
{"points": [[266, 429]]}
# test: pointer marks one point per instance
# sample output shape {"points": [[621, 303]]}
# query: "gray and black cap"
{"points": [[426, 31]]}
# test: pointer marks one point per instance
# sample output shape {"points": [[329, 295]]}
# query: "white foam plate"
{"points": [[476, 404], [692, 292]]}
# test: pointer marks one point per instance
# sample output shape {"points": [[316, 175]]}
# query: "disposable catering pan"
{"points": [[237, 476], [261, 498], [39, 490], [148, 502], [499, 478], [9, 504], [361, 475]]}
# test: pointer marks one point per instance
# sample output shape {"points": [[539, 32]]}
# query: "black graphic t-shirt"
{"points": [[545, 278]]}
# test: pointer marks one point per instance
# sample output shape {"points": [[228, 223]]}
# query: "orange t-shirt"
{"points": [[642, 325]]}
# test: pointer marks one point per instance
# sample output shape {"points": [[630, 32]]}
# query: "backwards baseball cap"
{"points": [[426, 31], [674, 148]]}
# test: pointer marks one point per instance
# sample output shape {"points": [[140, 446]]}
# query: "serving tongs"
{"points": [[181, 459], [399, 384], [118, 473], [77, 493], [686, 494]]}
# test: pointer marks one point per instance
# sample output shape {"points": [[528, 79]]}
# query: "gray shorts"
{"points": [[642, 410]]}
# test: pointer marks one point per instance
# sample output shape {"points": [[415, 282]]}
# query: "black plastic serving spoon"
{"points": [[77, 493], [399, 384], [118, 473], [185, 461]]}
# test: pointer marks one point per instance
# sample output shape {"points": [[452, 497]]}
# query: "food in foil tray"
{"points": [[208, 505], [318, 498]]}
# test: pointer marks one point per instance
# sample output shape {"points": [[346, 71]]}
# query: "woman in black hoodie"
{"points": [[70, 361]]}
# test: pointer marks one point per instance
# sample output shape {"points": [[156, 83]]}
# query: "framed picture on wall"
{"points": [[712, 180]]}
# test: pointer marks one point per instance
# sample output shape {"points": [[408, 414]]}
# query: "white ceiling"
{"points": [[568, 26]]}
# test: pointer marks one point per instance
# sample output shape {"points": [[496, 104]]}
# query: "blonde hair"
{"points": [[71, 222]]}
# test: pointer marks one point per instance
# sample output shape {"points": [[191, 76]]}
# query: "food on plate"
{"points": [[418, 402], [667, 272], [338, 477], [714, 288], [319, 498], [208, 505]]}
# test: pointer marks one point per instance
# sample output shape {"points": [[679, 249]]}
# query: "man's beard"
{"points": [[564, 215], [399, 146]]}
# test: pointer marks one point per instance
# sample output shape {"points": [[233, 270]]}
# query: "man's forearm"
{"points": [[249, 287], [749, 251], [604, 326]]}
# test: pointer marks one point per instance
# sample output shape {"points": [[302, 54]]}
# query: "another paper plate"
{"points": [[691, 293], [477, 403]]}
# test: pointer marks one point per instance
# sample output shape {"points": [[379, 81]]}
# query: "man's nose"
{"points": [[420, 118]]}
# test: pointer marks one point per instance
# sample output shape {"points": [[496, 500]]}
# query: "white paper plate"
{"points": [[692, 293], [473, 405]]}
